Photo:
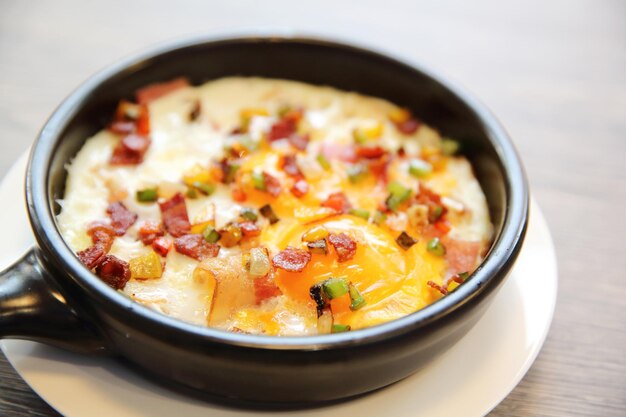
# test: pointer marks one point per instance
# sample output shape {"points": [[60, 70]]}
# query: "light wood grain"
{"points": [[553, 72]]}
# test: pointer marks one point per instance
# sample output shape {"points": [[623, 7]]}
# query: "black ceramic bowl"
{"points": [[50, 296]]}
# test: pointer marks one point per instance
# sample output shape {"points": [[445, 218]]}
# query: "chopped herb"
{"points": [[324, 162], [419, 168], [356, 173], [435, 247], [318, 246], [405, 241], [335, 287], [340, 328], [449, 146], [249, 214], [147, 195], [267, 212], [258, 180], [210, 234], [364, 214], [204, 187], [398, 194], [357, 299]]}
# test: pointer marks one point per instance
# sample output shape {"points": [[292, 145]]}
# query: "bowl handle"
{"points": [[33, 308]]}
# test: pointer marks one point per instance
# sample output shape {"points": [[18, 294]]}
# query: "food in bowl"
{"points": [[274, 207]]}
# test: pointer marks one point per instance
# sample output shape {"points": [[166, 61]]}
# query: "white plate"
{"points": [[469, 379]]}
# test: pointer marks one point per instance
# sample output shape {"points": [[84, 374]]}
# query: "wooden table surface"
{"points": [[554, 72]]}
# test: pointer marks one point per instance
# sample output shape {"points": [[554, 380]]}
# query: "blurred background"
{"points": [[554, 73]]}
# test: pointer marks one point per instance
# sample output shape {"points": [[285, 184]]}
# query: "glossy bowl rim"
{"points": [[487, 276]]}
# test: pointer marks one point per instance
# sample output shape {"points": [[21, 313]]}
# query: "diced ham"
{"points": [[264, 288], [196, 247], [149, 231], [121, 217], [152, 92], [344, 245], [174, 216], [338, 202], [114, 272], [291, 259], [130, 150]]}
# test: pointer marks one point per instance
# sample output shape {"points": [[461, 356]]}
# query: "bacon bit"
{"points": [[272, 184], [291, 259], [92, 256], [282, 129], [433, 201], [130, 150], [121, 217], [250, 229], [290, 167], [370, 152], [122, 127], [196, 110], [338, 202], [149, 231], [346, 153], [401, 152], [461, 254], [378, 168], [264, 288], [299, 141], [174, 215], [300, 188], [344, 245], [437, 287], [101, 235], [196, 247], [143, 121], [114, 272], [152, 92], [162, 245], [408, 127], [238, 194]]}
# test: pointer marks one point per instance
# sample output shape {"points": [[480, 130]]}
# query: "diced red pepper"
{"points": [[370, 152], [174, 216], [338, 202]]}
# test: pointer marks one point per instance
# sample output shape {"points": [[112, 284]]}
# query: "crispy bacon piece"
{"points": [[130, 150], [149, 231], [101, 235], [272, 184], [436, 209], [442, 290], [338, 202], [114, 272], [122, 127], [346, 153], [291, 259], [174, 216], [344, 245], [290, 167], [121, 217], [92, 256], [370, 152], [299, 141], [250, 229], [196, 247], [143, 121], [300, 188], [282, 129], [162, 245], [461, 254], [378, 167], [151, 92], [264, 288], [409, 126]]}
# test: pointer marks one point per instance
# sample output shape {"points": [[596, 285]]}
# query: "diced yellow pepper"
{"points": [[146, 267], [198, 228], [197, 174], [314, 234], [399, 115]]}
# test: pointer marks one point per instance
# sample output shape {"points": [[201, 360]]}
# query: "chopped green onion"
{"points": [[464, 275], [147, 195], [335, 287], [435, 247], [359, 136], [405, 241], [357, 299], [210, 234], [364, 214], [192, 193], [449, 146], [379, 217], [258, 180], [356, 173], [249, 214], [204, 187], [398, 194], [340, 328], [269, 214], [435, 213], [231, 171], [318, 246], [419, 168], [324, 162]]}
